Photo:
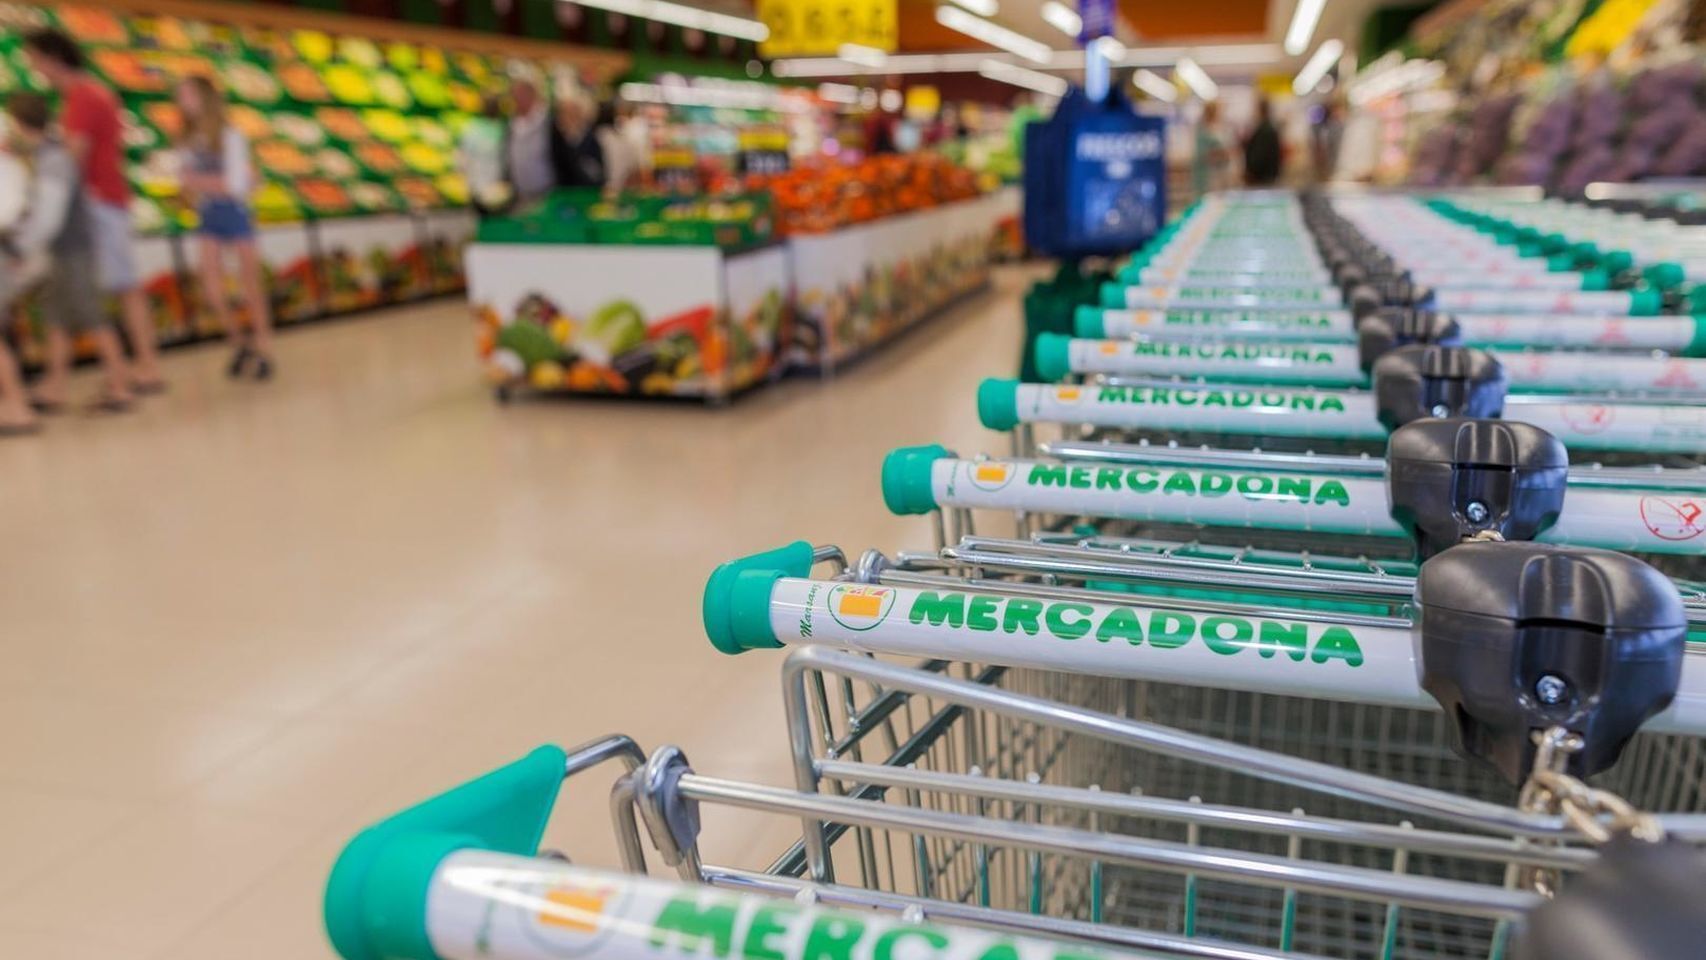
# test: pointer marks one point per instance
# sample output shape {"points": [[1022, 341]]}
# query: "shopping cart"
{"points": [[938, 820]]}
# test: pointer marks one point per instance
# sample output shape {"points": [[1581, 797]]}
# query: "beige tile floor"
{"points": [[247, 620]]}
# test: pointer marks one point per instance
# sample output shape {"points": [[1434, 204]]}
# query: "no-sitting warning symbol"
{"points": [[1681, 518]]}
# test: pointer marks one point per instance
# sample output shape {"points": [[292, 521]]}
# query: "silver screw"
{"points": [[1440, 410], [1551, 688], [1476, 511]]}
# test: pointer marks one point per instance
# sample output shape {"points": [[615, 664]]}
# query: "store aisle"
{"points": [[249, 619]]}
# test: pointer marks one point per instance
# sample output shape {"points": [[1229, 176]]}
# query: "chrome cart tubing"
{"points": [[1259, 648], [1038, 924], [1645, 477], [1245, 819], [1480, 900], [1289, 575], [1306, 774]]}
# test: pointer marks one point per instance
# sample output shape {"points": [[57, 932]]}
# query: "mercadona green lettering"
{"points": [[690, 927], [1163, 629], [1212, 318], [1271, 400], [1233, 351], [1315, 491], [1233, 293]]}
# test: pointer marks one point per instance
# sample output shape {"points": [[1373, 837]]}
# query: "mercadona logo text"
{"points": [[1163, 629], [1233, 399], [1303, 356], [1192, 483]]}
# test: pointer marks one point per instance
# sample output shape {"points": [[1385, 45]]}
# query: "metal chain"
{"points": [[1596, 814]]}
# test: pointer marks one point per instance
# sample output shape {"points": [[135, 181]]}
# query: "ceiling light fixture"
{"points": [[1152, 83], [1197, 79], [983, 8], [1024, 77], [1063, 18], [1326, 55], [993, 34], [684, 16], [858, 53], [1304, 16]]}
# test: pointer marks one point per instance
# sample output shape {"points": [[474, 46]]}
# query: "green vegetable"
{"points": [[618, 325], [532, 344]]}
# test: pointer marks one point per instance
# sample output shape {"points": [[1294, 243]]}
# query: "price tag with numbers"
{"points": [[819, 28]]}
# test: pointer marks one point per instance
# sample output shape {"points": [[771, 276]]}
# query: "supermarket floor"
{"points": [[247, 620]]}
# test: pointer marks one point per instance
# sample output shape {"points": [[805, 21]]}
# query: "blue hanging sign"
{"points": [[1098, 19]]}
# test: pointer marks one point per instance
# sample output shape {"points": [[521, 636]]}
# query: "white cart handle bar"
{"points": [[769, 601], [920, 480], [1311, 413], [1338, 365]]}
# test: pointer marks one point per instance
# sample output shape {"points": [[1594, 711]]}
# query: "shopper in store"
{"points": [[93, 132], [622, 161], [1211, 159], [480, 157], [1263, 155], [56, 242], [528, 142], [217, 178], [577, 156]]}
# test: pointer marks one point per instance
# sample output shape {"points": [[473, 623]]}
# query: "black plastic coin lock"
{"points": [[1392, 327], [1428, 381], [1447, 480], [1520, 637]]}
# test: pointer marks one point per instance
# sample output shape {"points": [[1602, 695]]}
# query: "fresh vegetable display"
{"points": [[816, 197]]}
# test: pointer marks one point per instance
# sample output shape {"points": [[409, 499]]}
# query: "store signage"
{"points": [[820, 28], [1098, 19]]}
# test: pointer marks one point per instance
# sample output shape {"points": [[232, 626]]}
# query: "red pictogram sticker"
{"points": [[1673, 519], [1589, 418]]}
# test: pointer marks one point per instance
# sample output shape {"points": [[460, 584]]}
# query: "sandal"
{"points": [[263, 367], [239, 360], [49, 407], [107, 403], [20, 429], [148, 388]]}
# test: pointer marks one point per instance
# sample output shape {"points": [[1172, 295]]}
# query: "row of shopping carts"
{"points": [[1332, 624]]}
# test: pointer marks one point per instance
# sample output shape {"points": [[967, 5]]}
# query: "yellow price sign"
{"points": [[819, 28]]}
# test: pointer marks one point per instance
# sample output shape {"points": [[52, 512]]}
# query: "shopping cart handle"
{"points": [[907, 489], [1054, 356], [375, 902], [998, 403], [736, 608]]}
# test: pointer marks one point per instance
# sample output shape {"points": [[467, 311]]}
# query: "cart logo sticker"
{"points": [[1136, 626], [1613, 333], [1676, 375], [571, 920], [1110, 347], [1271, 401], [1067, 394], [1302, 356], [1588, 418], [990, 475], [1141, 318], [858, 606], [1208, 484], [1673, 518]]}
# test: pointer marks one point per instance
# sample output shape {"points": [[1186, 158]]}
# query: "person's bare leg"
{"points": [[111, 354], [15, 412], [255, 296], [144, 339], [56, 367], [211, 271]]}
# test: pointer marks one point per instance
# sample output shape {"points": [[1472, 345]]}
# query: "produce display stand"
{"points": [[860, 286], [696, 322], [352, 122]]}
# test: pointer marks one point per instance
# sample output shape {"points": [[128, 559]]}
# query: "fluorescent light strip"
{"points": [[1326, 55], [1111, 49], [1199, 82], [1304, 16], [684, 16], [993, 34], [983, 8], [735, 94], [1253, 54], [1024, 77], [1151, 83], [862, 55], [838, 92], [1063, 18]]}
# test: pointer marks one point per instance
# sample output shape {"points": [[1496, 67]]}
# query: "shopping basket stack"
{"points": [[1224, 702]]}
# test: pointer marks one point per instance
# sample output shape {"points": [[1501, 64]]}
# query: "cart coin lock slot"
{"points": [[1380, 333], [1519, 637], [1422, 381], [1387, 290], [1449, 480]]}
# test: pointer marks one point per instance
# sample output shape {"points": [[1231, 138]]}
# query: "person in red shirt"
{"points": [[93, 131]]}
